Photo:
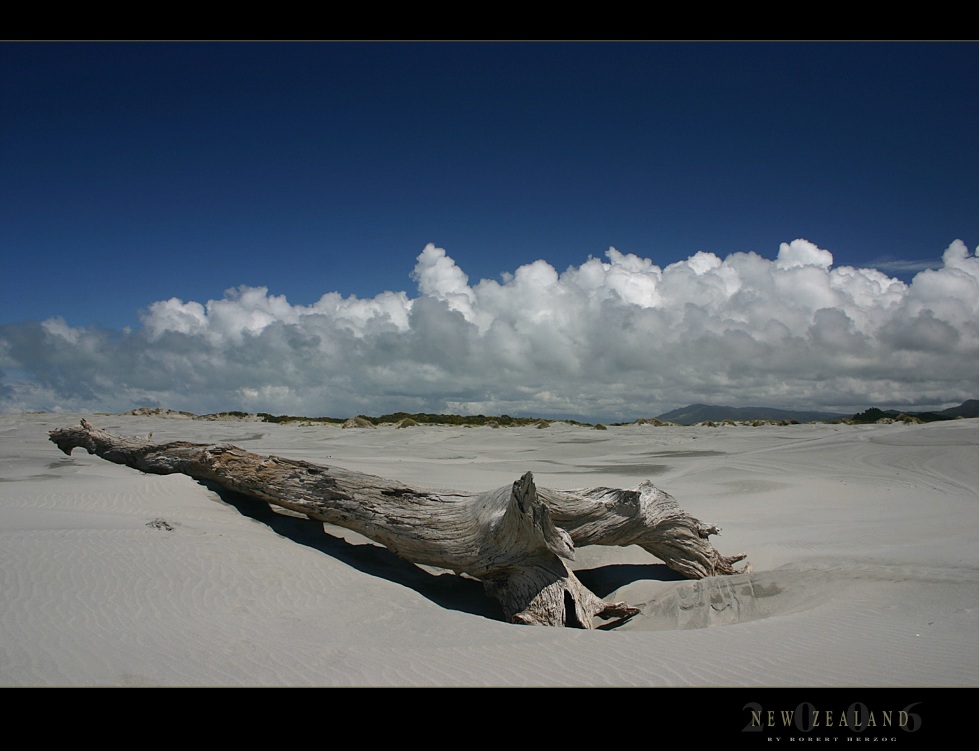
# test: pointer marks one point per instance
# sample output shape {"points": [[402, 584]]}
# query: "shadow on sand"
{"points": [[445, 589]]}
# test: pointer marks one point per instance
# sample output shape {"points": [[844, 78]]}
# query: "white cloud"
{"points": [[802, 253], [617, 337]]}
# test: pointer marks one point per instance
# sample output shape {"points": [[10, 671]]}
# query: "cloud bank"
{"points": [[613, 338]]}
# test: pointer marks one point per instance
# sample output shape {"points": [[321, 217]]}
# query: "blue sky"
{"points": [[136, 174]]}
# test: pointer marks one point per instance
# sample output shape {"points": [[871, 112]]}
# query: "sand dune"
{"points": [[863, 541]]}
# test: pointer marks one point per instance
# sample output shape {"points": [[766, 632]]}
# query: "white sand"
{"points": [[863, 541]]}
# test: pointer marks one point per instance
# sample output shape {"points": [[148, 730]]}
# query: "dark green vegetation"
{"points": [[969, 408], [694, 414], [266, 417], [426, 418]]}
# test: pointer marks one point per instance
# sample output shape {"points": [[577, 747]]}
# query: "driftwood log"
{"points": [[515, 539]]}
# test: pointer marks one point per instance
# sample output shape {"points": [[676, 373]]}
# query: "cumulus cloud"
{"points": [[616, 337]]}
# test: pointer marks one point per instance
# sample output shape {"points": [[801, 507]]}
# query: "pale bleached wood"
{"points": [[645, 516], [515, 539]]}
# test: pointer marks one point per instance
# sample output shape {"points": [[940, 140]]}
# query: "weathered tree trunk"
{"points": [[644, 516], [514, 539]]}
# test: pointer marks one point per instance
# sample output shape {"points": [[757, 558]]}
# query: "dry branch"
{"points": [[515, 539]]}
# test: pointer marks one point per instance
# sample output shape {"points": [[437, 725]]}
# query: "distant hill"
{"points": [[968, 408], [694, 413]]}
